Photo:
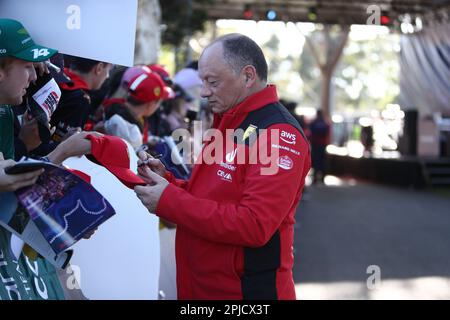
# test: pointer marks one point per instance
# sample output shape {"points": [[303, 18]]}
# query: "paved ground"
{"points": [[403, 234]]}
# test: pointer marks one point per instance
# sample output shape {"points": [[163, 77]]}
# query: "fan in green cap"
{"points": [[15, 41]]}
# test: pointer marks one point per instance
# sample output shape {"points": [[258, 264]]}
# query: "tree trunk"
{"points": [[333, 52], [325, 103], [148, 32]]}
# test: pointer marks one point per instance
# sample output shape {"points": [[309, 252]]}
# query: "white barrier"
{"points": [[102, 30], [122, 259]]}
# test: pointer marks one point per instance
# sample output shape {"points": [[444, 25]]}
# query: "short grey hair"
{"points": [[240, 51]]}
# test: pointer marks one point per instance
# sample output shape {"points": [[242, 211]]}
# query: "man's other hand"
{"points": [[150, 194]]}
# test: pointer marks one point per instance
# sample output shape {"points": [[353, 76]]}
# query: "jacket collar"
{"points": [[77, 82], [253, 102]]}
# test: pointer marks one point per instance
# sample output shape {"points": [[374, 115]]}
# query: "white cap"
{"points": [[187, 78], [118, 126]]}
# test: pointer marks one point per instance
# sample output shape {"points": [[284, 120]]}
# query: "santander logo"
{"points": [[230, 156], [288, 137]]}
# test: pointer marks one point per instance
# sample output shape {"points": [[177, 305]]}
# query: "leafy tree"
{"points": [[365, 78], [310, 74], [182, 18]]}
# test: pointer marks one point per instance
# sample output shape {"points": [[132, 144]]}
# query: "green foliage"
{"points": [[365, 78], [310, 74], [181, 19], [279, 66]]}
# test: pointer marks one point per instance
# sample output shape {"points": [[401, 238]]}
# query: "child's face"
{"points": [[14, 80], [152, 107]]}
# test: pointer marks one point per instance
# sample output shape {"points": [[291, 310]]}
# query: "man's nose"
{"points": [[205, 92], [32, 77]]}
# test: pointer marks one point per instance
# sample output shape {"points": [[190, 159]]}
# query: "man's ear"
{"points": [[99, 67], [250, 75], [2, 75]]}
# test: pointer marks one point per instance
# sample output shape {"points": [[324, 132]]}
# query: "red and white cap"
{"points": [[132, 73], [149, 86]]}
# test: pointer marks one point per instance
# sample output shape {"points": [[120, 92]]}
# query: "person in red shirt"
{"points": [[74, 109], [235, 215]]}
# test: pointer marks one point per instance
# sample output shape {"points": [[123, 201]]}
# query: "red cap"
{"points": [[131, 73], [163, 73], [112, 153], [148, 87]]}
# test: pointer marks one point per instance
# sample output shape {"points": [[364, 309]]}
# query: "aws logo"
{"points": [[288, 137]]}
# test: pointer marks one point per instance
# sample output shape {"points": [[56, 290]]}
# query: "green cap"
{"points": [[16, 42]]}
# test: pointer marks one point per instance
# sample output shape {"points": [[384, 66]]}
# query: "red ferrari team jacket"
{"points": [[235, 222]]}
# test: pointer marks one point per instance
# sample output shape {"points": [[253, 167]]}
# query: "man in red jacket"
{"points": [[235, 215]]}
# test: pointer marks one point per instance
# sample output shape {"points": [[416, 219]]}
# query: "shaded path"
{"points": [[342, 230]]}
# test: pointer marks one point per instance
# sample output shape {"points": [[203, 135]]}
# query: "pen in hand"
{"points": [[145, 162]]}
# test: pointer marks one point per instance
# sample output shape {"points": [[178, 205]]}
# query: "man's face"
{"points": [[152, 107], [14, 80], [102, 75], [221, 86]]}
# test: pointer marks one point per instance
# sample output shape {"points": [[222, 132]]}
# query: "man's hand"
{"points": [[146, 160], [29, 133], [75, 146], [70, 132], [100, 127], [12, 182], [41, 68], [150, 194]]}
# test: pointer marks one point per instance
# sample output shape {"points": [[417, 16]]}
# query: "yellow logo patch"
{"points": [[22, 31], [157, 91], [249, 131]]}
